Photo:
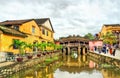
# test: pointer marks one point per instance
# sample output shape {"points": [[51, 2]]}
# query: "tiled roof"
{"points": [[41, 21], [73, 39], [19, 22], [11, 31], [111, 24], [14, 22]]}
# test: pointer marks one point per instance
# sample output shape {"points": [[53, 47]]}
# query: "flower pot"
{"points": [[19, 59], [38, 55], [29, 56], [44, 53]]}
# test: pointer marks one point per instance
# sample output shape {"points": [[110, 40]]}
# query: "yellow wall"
{"points": [[31, 39], [111, 28], [48, 38], [27, 28], [6, 41]]}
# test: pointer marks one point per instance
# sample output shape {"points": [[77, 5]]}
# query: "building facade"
{"points": [[29, 31], [114, 28]]}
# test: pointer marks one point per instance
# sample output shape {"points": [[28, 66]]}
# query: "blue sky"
{"points": [[68, 17]]}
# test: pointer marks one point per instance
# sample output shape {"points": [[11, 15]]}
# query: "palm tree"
{"points": [[43, 46], [20, 45], [35, 46], [29, 46]]}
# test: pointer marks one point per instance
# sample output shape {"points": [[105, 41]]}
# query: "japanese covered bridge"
{"points": [[74, 44]]}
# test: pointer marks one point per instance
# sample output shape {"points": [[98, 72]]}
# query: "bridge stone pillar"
{"points": [[78, 50], [64, 51], [68, 50]]}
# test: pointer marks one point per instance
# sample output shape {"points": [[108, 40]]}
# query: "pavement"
{"points": [[117, 54], [2, 64]]}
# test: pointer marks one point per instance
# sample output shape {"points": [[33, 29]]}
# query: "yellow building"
{"points": [[30, 31], [114, 28], [46, 29]]}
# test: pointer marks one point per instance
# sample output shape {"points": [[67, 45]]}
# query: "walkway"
{"points": [[117, 54], [6, 64]]}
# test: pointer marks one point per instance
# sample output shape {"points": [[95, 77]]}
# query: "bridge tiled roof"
{"points": [[73, 39]]}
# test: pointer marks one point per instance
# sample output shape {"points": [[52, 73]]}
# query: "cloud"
{"points": [[68, 17]]}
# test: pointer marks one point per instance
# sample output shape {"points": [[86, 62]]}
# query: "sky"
{"points": [[68, 17]]}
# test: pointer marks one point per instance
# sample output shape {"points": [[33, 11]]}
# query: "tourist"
{"points": [[99, 49], [95, 48], [110, 49], [104, 49], [114, 50], [107, 49]]}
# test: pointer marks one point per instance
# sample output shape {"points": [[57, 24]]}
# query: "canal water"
{"points": [[70, 67]]}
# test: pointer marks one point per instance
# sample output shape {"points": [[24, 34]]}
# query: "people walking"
{"points": [[110, 50], [114, 50], [99, 49], [107, 49]]}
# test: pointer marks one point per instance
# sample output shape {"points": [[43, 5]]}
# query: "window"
{"points": [[47, 33], [16, 27], [33, 29], [43, 31]]}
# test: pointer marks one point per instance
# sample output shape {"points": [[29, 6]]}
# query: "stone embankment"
{"points": [[13, 67], [101, 58]]}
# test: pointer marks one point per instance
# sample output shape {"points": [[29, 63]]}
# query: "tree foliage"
{"points": [[109, 38], [21, 45], [89, 36]]}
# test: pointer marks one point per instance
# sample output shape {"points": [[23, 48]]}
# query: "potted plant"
{"points": [[29, 46], [20, 45], [38, 54], [29, 56], [42, 47], [36, 46]]}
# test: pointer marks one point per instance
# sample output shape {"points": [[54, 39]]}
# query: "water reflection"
{"points": [[83, 67], [69, 67]]}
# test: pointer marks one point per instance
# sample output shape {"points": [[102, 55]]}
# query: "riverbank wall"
{"points": [[18, 66], [100, 58]]}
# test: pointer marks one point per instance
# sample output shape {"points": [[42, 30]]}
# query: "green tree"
{"points": [[89, 36], [42, 46], [56, 47], [29, 45], [20, 45], [109, 38]]}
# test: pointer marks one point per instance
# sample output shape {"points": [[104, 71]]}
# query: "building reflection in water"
{"points": [[69, 67]]}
